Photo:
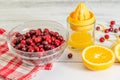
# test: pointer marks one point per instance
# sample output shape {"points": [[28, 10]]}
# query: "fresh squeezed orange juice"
{"points": [[81, 23]]}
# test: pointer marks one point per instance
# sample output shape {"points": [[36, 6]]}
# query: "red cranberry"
{"points": [[97, 28], [51, 33], [112, 22], [31, 49], [40, 46], [27, 35], [41, 50], [47, 47], [102, 39], [53, 46], [38, 39], [44, 42], [38, 33], [115, 30], [70, 55], [29, 41], [56, 34], [32, 44], [60, 38], [53, 38], [49, 41], [23, 36], [111, 29], [119, 28], [106, 30], [40, 29], [18, 34], [2, 31], [23, 42], [32, 32], [46, 37], [36, 49], [20, 46], [46, 30], [106, 36], [57, 42]]}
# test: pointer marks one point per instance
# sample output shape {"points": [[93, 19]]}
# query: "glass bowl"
{"points": [[38, 58]]}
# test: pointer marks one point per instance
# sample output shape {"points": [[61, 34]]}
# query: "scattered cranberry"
{"points": [[70, 55], [2, 31], [115, 30], [111, 29], [119, 28], [106, 36], [112, 22], [97, 28], [102, 39], [106, 30]]}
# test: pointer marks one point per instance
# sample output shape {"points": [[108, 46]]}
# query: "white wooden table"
{"points": [[64, 68]]}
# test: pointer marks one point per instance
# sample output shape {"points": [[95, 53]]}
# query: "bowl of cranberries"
{"points": [[38, 42]]}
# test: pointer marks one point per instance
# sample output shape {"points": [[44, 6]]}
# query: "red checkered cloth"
{"points": [[12, 68]]}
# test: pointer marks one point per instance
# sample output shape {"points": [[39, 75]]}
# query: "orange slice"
{"points": [[98, 57], [117, 51]]}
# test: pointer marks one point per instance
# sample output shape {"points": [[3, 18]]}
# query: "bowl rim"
{"points": [[48, 21]]}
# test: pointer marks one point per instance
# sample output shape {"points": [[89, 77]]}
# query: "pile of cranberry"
{"points": [[111, 28], [37, 40]]}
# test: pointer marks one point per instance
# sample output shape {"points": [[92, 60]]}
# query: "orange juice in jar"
{"points": [[81, 23]]}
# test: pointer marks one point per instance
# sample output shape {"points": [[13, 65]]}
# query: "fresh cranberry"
{"points": [[41, 46], [38, 33], [49, 41], [102, 39], [24, 36], [112, 22], [57, 42], [47, 47], [51, 33], [56, 34], [46, 30], [70, 55], [31, 49], [39, 29], [32, 32], [18, 34], [106, 36], [44, 42], [41, 50], [38, 39], [46, 37], [106, 30], [53, 38], [53, 46], [97, 28], [119, 28], [23, 42], [115, 30], [2, 31], [111, 29], [20, 46], [27, 35], [60, 38], [29, 41], [36, 49], [32, 44]]}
